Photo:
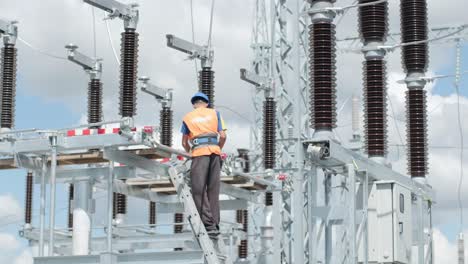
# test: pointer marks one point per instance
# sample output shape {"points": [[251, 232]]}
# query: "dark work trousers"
{"points": [[204, 174]]}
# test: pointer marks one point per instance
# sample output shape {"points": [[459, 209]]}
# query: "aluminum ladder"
{"points": [[177, 172]]}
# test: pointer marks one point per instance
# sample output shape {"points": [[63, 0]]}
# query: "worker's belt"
{"points": [[204, 141]]}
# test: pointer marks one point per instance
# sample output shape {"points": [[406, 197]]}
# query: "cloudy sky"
{"points": [[52, 92]]}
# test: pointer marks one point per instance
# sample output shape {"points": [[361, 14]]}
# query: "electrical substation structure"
{"points": [[298, 195]]}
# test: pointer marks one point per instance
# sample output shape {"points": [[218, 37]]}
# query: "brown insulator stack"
{"points": [[415, 62], [269, 140], [71, 194], [242, 215], [206, 84], [8, 86], [152, 214], [244, 246], [269, 133], [128, 72], [128, 90], [28, 199], [373, 21], [94, 102], [322, 53]]}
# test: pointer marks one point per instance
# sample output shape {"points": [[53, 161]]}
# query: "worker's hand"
{"points": [[223, 156]]}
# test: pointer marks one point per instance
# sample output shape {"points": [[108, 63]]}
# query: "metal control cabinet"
{"points": [[389, 224]]}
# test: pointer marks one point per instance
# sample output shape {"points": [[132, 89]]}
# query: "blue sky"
{"points": [[445, 86], [34, 112]]}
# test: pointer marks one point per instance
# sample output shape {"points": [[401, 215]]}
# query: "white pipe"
{"points": [[110, 181], [355, 116], [267, 236], [81, 232], [42, 206], [53, 166], [81, 218]]}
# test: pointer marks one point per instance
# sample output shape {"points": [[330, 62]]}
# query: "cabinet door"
{"points": [[402, 224]]}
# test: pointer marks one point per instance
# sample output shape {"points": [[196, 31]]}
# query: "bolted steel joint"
{"points": [[321, 11], [415, 80]]}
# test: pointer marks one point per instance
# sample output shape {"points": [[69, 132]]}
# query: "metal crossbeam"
{"points": [[176, 257], [338, 156], [113, 7], [253, 78], [128, 13], [204, 53]]}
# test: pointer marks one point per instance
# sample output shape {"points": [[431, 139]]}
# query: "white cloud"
{"points": [[24, 258], [8, 242], [10, 209], [9, 245], [446, 251]]}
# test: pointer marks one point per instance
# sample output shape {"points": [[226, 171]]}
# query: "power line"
{"points": [[462, 28], [460, 129], [94, 32], [109, 35], [431, 146], [343, 15], [362, 5], [396, 124], [43, 52], [211, 22], [193, 36], [3, 225], [235, 112]]}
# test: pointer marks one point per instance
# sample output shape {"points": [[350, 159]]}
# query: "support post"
{"points": [[110, 197], [352, 211], [420, 222], [53, 166], [365, 207], [42, 206], [312, 202], [328, 228], [298, 255]]}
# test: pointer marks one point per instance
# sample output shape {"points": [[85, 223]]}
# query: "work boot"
{"points": [[219, 249], [213, 234]]}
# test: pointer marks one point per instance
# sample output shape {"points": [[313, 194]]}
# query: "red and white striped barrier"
{"points": [[103, 131]]}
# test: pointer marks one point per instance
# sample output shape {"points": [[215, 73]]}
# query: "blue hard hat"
{"points": [[200, 96]]}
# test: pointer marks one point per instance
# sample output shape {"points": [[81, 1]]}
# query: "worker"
{"points": [[204, 135]]}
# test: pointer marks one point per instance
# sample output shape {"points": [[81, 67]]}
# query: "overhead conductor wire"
{"points": [[43, 52], [211, 23], [109, 34], [94, 32], [193, 35], [460, 129]]}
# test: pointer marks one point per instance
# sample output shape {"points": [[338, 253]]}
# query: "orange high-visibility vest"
{"points": [[202, 122]]}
